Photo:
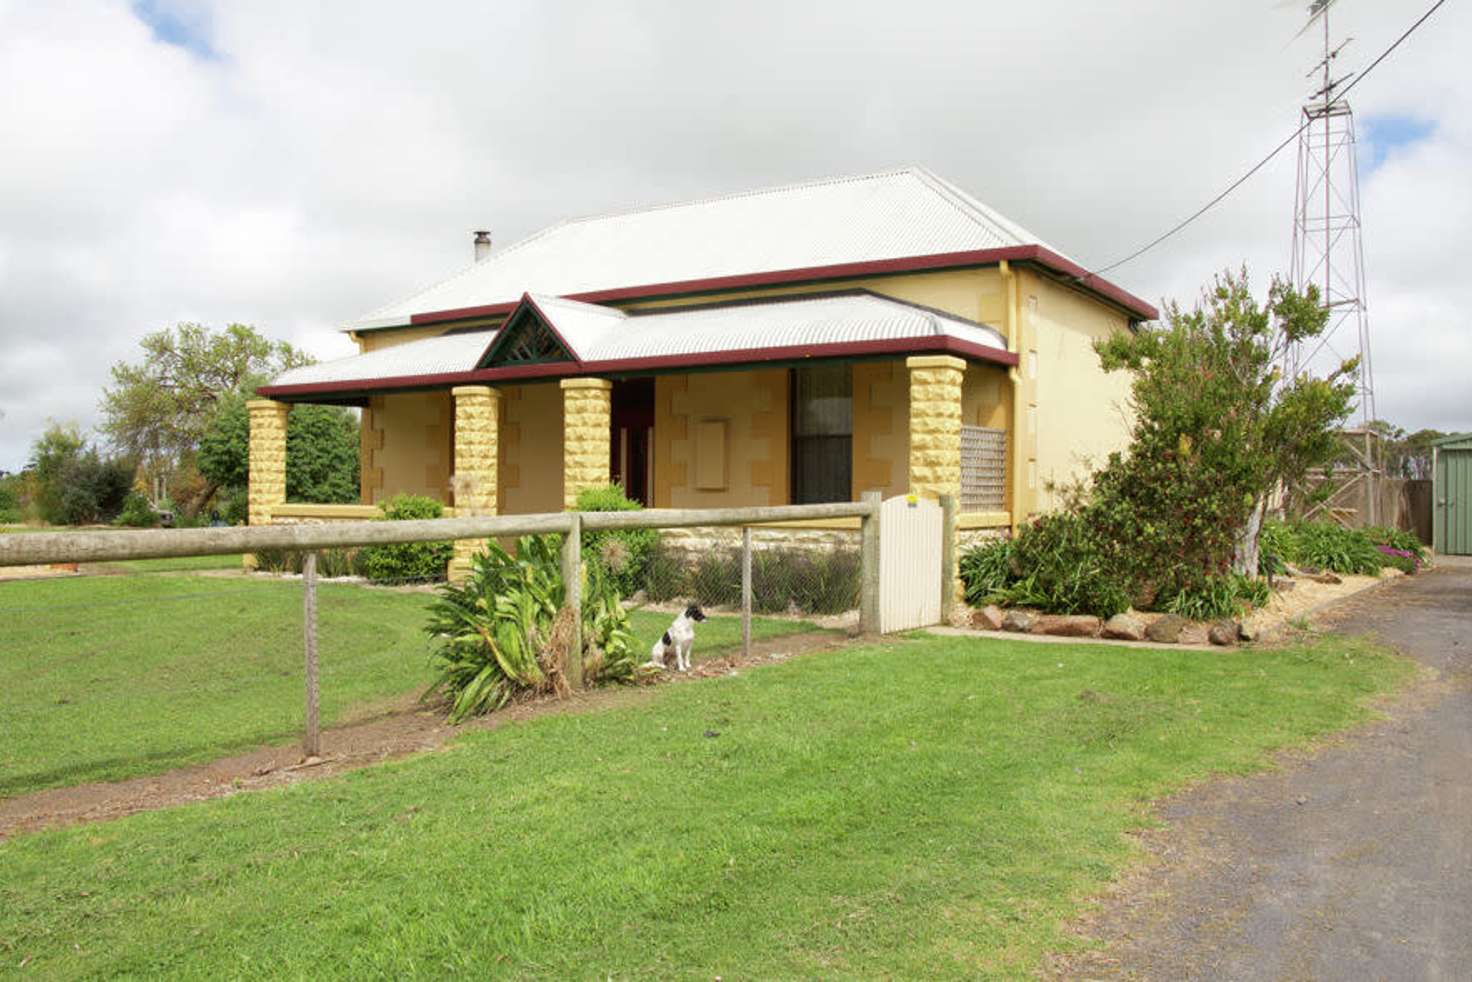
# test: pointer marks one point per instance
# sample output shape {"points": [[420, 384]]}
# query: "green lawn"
{"points": [[109, 677], [926, 808]]}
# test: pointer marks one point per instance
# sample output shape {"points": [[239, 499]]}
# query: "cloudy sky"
{"points": [[292, 165]]}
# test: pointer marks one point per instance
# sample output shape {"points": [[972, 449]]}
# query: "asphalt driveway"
{"points": [[1355, 862]]}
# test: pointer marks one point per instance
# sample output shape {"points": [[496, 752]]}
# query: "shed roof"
{"points": [[604, 340], [822, 229]]}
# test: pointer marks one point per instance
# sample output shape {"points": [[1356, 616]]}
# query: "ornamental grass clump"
{"points": [[503, 633]]}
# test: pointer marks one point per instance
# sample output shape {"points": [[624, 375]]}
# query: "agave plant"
{"points": [[499, 633]]}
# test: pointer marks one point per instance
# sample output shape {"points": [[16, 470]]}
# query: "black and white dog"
{"points": [[678, 640]]}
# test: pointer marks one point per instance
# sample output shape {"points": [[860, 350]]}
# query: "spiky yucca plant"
{"points": [[499, 634]]}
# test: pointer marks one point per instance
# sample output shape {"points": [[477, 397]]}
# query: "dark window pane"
{"points": [[822, 433], [823, 402]]}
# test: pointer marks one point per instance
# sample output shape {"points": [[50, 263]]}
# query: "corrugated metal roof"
{"points": [[601, 334], [891, 215], [432, 356]]}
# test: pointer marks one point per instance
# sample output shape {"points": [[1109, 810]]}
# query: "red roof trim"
{"points": [[908, 264], [932, 344]]}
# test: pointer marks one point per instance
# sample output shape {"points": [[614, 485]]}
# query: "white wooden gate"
{"points": [[909, 563]]}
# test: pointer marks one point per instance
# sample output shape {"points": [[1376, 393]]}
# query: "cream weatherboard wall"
{"points": [[406, 441], [1082, 411], [753, 406], [531, 448]]}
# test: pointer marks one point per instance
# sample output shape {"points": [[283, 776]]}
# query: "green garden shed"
{"points": [[1451, 523]]}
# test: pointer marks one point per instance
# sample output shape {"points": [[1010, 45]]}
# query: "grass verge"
{"points": [[110, 677], [918, 809]]}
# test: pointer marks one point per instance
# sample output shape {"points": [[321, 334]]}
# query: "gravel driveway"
{"points": [[1355, 862]]}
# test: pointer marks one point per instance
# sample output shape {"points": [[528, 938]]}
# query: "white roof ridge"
{"points": [[642, 210], [553, 300], [466, 270], [816, 182], [974, 208]]}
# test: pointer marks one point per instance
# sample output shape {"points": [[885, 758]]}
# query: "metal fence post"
{"points": [[572, 579], [312, 738], [746, 592], [947, 556], [869, 555]]}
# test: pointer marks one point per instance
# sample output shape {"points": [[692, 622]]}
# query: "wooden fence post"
{"points": [[312, 738], [746, 592], [869, 555], [947, 556], [572, 580]]}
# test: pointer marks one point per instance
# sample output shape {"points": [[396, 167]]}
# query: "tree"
{"points": [[158, 409], [73, 482], [321, 451], [1217, 429]]}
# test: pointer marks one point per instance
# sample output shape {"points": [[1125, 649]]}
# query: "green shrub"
{"points": [[330, 562], [666, 576], [10, 513], [500, 633], [407, 561], [1399, 539], [1225, 595], [985, 570], [715, 579], [137, 512], [1325, 545], [1275, 548], [807, 581], [1062, 567], [622, 553]]}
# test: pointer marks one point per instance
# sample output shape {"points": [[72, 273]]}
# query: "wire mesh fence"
{"points": [[126, 654]]}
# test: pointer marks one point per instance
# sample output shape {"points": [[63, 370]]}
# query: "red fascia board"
{"points": [[624, 366], [908, 264]]}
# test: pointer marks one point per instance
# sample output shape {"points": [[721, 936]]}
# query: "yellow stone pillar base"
{"points": [[477, 442], [587, 431], [267, 460]]}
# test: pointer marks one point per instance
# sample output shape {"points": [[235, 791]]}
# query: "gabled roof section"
{"points": [[587, 339], [893, 221], [547, 329]]}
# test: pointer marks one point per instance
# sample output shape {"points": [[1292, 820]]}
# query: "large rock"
{"points": [[1326, 577], [1166, 630], [1283, 584], [1123, 627], [1224, 633], [988, 618], [1193, 633], [1068, 625], [1019, 620]]}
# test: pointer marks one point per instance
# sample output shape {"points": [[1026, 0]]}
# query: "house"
{"points": [[804, 343]]}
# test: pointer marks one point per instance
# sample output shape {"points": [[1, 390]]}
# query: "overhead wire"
{"points": [[1183, 223]]}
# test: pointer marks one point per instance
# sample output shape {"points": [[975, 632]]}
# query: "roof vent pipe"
{"points": [[482, 244]]}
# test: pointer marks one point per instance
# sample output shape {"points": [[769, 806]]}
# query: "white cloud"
{"points": [[334, 156]]}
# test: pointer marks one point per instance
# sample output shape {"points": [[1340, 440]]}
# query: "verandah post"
{"points": [[746, 591], [947, 556], [869, 533], [312, 738], [572, 596]]}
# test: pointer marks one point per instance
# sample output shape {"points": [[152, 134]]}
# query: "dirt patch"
{"points": [[396, 729]]}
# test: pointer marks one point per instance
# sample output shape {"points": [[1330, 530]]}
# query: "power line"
{"points": [[1264, 161]]}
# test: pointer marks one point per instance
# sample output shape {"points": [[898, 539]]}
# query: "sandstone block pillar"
{"points": [[587, 429], [477, 442], [267, 456], [935, 424]]}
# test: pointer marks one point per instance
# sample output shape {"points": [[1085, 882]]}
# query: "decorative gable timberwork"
{"points": [[526, 339]]}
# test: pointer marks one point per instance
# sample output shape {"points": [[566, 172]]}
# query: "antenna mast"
{"points": [[1327, 248]]}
